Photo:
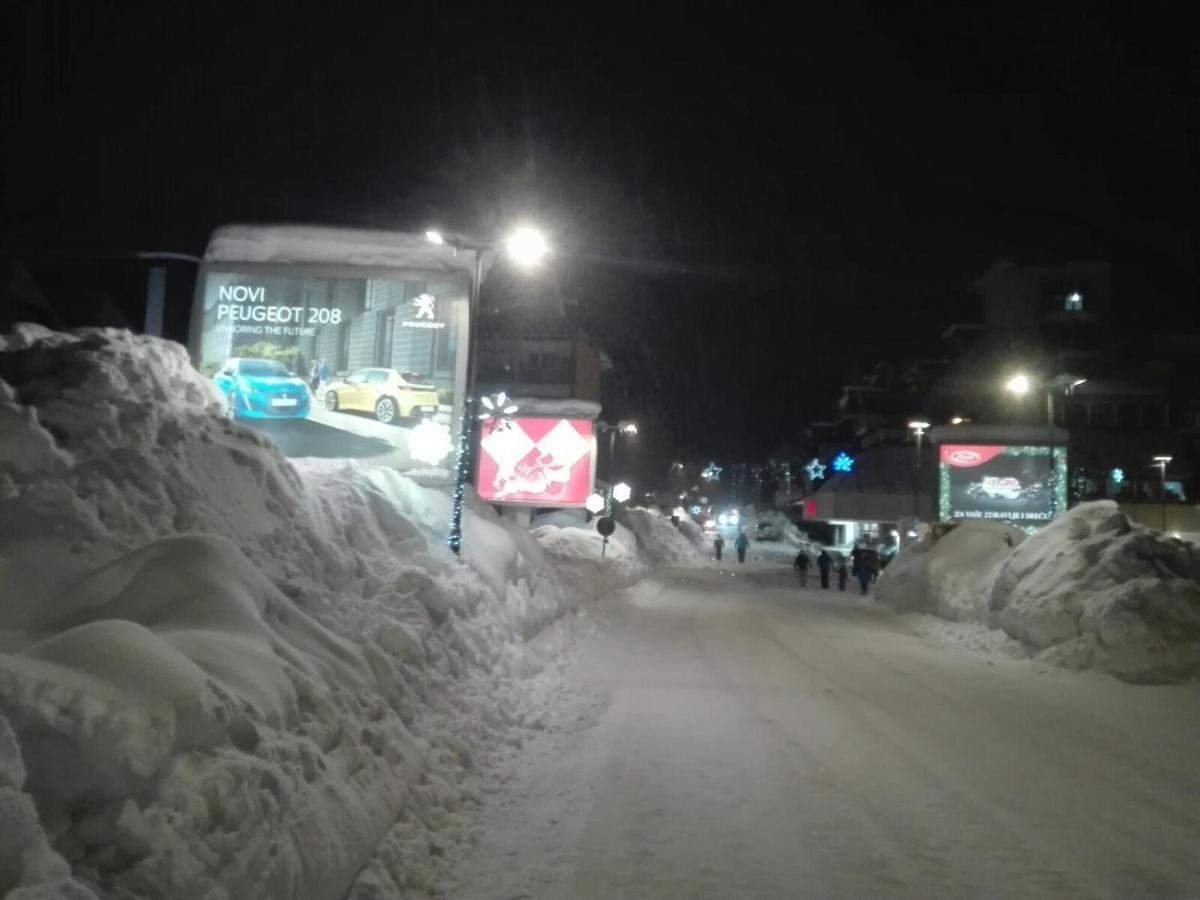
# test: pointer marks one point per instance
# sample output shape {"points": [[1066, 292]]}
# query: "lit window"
{"points": [[1073, 302]]}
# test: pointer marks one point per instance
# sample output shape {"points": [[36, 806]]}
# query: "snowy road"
{"points": [[736, 737]]}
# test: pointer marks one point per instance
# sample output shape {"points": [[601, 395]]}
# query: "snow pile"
{"points": [[952, 578], [225, 674], [574, 542], [1090, 590], [660, 541]]}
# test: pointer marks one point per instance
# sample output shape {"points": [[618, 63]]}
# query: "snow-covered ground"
{"points": [[733, 736], [227, 674]]}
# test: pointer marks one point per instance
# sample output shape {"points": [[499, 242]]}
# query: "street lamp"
{"points": [[1021, 384], [525, 247], [918, 427], [1161, 462], [624, 427], [622, 492]]}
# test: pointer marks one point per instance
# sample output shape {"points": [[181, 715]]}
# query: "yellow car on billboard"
{"points": [[388, 394]]}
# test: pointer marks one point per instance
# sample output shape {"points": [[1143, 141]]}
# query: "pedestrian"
{"points": [[843, 573], [824, 562], [314, 375], [718, 546], [800, 567], [324, 373], [741, 545], [861, 568]]}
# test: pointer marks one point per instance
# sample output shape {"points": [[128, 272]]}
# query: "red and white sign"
{"points": [[537, 462], [965, 456]]}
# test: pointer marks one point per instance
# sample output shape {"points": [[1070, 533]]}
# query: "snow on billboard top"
{"points": [[332, 246], [533, 461]]}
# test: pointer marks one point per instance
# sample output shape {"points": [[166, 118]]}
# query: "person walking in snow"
{"points": [[741, 545], [718, 546], [800, 566], [824, 562], [861, 568]]}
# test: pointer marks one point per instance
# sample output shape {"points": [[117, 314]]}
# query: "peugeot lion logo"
{"points": [[424, 304]]}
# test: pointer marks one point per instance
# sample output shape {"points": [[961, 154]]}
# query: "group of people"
{"points": [[864, 565], [741, 545]]}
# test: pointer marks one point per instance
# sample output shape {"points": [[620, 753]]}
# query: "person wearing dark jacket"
{"points": [[718, 546], [741, 545], [824, 562], [800, 567]]}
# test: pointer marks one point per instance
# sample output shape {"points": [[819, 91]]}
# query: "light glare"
{"points": [[526, 246]]}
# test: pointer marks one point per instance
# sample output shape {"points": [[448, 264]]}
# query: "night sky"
{"points": [[749, 209]]}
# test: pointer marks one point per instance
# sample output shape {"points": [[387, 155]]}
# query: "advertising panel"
{"points": [[1001, 483], [537, 461], [338, 362]]}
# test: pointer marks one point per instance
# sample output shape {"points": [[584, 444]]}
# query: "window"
{"points": [[376, 377], [1073, 302]]}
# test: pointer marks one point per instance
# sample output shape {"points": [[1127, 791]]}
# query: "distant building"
{"points": [[538, 354]]}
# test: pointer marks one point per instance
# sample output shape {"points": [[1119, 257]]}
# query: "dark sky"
{"points": [[801, 195]]}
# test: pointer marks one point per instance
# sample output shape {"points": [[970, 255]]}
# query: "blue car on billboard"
{"points": [[262, 389]]}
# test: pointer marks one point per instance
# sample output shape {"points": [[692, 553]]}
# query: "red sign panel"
{"points": [[964, 456], [537, 462]]}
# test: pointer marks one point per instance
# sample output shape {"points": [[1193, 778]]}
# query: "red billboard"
{"points": [[537, 461]]}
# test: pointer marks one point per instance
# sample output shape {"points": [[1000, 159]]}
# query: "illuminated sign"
{"points": [[1015, 484], [537, 462], [320, 360]]}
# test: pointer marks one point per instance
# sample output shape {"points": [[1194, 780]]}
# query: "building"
{"points": [[538, 353]]}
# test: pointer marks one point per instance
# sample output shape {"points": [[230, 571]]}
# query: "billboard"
{"points": [[338, 361], [537, 461], [1015, 484]]}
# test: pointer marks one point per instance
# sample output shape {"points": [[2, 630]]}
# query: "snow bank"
{"points": [[227, 674], [660, 541], [951, 579], [1090, 590]]}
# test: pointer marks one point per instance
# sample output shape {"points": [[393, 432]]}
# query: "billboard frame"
{"points": [[1060, 469]]}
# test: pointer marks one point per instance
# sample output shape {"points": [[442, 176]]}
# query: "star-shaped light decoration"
{"points": [[815, 469], [843, 462], [429, 442], [497, 410], [712, 472]]}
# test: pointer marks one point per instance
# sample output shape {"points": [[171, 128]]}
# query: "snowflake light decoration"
{"points": [[843, 462], [497, 411], [429, 442]]}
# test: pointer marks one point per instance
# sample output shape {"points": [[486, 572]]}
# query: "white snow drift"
{"points": [[1091, 589], [224, 674]]}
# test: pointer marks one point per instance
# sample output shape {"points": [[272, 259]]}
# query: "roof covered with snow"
{"points": [[332, 246]]}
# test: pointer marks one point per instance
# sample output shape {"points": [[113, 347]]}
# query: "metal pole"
{"points": [[612, 450], [467, 426], [1053, 480], [917, 478], [1162, 494]]}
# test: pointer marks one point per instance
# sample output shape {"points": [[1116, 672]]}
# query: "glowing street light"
{"points": [[1019, 384], [622, 492], [526, 246]]}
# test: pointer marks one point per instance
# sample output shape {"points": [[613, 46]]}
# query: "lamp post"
{"points": [[918, 429], [1021, 384], [1161, 462], [525, 247], [623, 427]]}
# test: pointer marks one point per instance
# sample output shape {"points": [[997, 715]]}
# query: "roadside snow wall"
{"points": [[224, 674], [1090, 590]]}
